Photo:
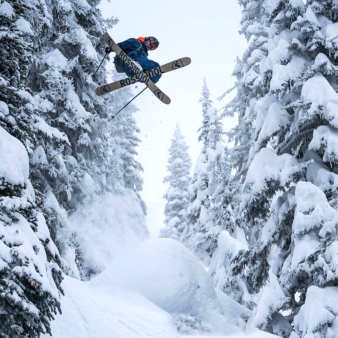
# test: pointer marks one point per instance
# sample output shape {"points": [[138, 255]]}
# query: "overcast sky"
{"points": [[207, 32]]}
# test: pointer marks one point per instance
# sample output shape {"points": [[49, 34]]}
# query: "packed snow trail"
{"points": [[139, 294]]}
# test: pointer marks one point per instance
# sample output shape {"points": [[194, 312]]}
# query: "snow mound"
{"points": [[170, 276]]}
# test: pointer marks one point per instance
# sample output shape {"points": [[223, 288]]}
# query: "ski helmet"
{"points": [[153, 42]]}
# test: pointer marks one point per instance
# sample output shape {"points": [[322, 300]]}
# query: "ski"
{"points": [[140, 75], [168, 67]]}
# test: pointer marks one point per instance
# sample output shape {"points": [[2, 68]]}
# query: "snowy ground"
{"points": [[138, 295], [89, 313]]}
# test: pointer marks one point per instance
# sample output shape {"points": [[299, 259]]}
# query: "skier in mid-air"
{"points": [[137, 50]]}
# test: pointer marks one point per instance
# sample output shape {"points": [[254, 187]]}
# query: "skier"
{"points": [[137, 49]]}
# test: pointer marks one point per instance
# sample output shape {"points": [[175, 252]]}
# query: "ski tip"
{"points": [[186, 60]]}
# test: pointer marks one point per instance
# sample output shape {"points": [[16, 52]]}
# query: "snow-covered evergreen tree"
{"points": [[29, 273], [65, 89], [30, 276], [16, 55], [200, 234], [290, 195], [124, 141], [250, 84], [126, 135], [178, 178], [224, 214]]}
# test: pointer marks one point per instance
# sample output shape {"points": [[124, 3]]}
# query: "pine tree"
{"points": [[30, 276], [125, 140], [200, 234], [64, 85], [250, 84], [229, 235], [178, 168], [223, 200], [290, 199], [252, 87], [16, 56]]}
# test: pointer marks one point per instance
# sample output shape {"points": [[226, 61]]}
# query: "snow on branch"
{"points": [[110, 23], [323, 98], [325, 142], [318, 316], [268, 173]]}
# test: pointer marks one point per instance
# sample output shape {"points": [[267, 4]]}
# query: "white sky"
{"points": [[207, 32]]}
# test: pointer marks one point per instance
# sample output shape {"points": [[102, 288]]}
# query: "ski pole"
{"points": [[130, 101], [99, 65]]}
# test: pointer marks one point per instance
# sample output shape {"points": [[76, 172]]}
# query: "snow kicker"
{"points": [[140, 75], [168, 67]]}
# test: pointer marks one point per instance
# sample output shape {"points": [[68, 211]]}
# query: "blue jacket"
{"points": [[138, 52]]}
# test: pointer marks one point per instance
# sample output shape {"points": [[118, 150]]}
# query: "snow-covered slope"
{"points": [[130, 297], [170, 276], [88, 312]]}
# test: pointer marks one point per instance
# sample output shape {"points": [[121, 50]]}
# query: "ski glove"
{"points": [[108, 50]]}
